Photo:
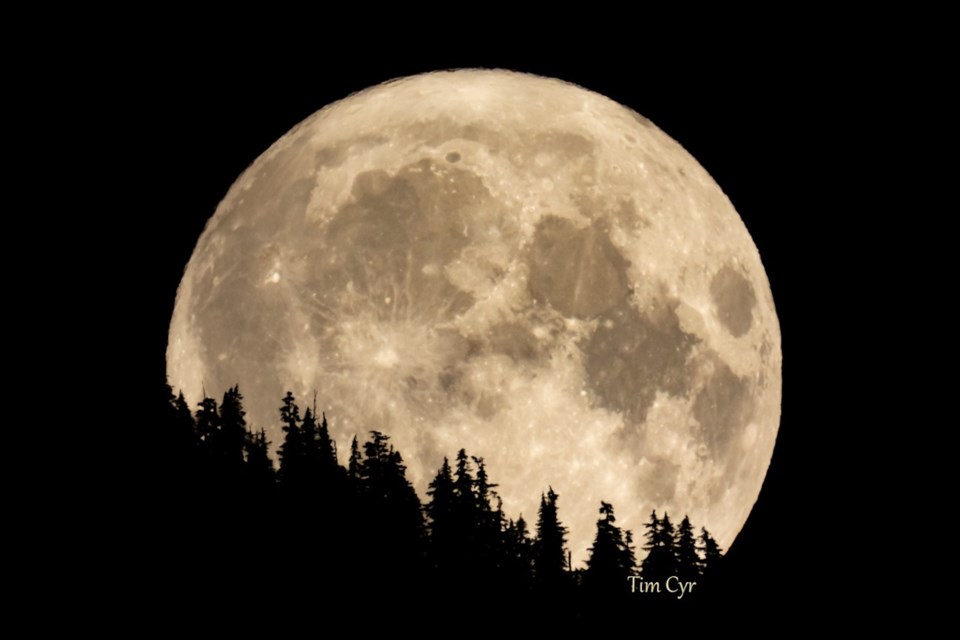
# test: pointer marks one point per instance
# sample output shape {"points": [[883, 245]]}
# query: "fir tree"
{"points": [[517, 571], [611, 557], [310, 441], [464, 484], [260, 469], [326, 447], [710, 552], [183, 427], [465, 516], [232, 432], [660, 562], [292, 451], [395, 522], [688, 563], [441, 512], [208, 426], [668, 537], [549, 558], [488, 523], [353, 466]]}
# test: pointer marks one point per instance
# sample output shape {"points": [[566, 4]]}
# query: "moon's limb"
{"points": [[505, 263]]}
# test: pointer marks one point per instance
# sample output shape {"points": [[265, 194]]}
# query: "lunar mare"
{"points": [[505, 263]]}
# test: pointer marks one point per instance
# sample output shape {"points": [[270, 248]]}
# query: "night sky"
{"points": [[196, 125]]}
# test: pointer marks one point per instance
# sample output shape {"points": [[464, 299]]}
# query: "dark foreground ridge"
{"points": [[230, 526]]}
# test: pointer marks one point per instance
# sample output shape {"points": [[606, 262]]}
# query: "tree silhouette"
{"points": [[549, 557], [488, 525], [463, 486], [688, 562], [353, 467], [611, 556], [441, 511], [183, 436], [710, 553], [227, 443], [293, 472], [208, 424], [260, 471], [466, 517], [346, 524], [660, 562], [395, 526], [518, 556], [310, 445], [326, 448]]}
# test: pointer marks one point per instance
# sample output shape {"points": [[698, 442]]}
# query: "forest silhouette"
{"points": [[350, 523]]}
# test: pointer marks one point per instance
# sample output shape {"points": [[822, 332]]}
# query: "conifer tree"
{"points": [[611, 557], [710, 552], [232, 432], [549, 558], [659, 563], [208, 425], [464, 484], [395, 515], [183, 436], [326, 447], [292, 451], [488, 523], [688, 562], [259, 466], [353, 466], [441, 513], [668, 537]]}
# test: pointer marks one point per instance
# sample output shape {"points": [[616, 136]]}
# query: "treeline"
{"points": [[361, 526]]}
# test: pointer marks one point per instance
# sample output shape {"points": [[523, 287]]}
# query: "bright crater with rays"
{"points": [[505, 263]]}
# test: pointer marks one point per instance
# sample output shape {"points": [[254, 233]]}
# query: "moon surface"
{"points": [[506, 263]]}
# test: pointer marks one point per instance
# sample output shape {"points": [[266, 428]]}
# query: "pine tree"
{"points": [[710, 552], [232, 433], [441, 493], [376, 455], [176, 448], [668, 541], [291, 452], [353, 466], [259, 466], [488, 524], [660, 562], [688, 562], [517, 572], [395, 515], [183, 427], [326, 447], [482, 485], [441, 512], [465, 517], [611, 557], [464, 483], [630, 551], [652, 535], [290, 412], [310, 440], [208, 426], [319, 472], [523, 548], [549, 559]]}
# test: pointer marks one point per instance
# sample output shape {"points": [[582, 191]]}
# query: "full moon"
{"points": [[505, 263]]}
